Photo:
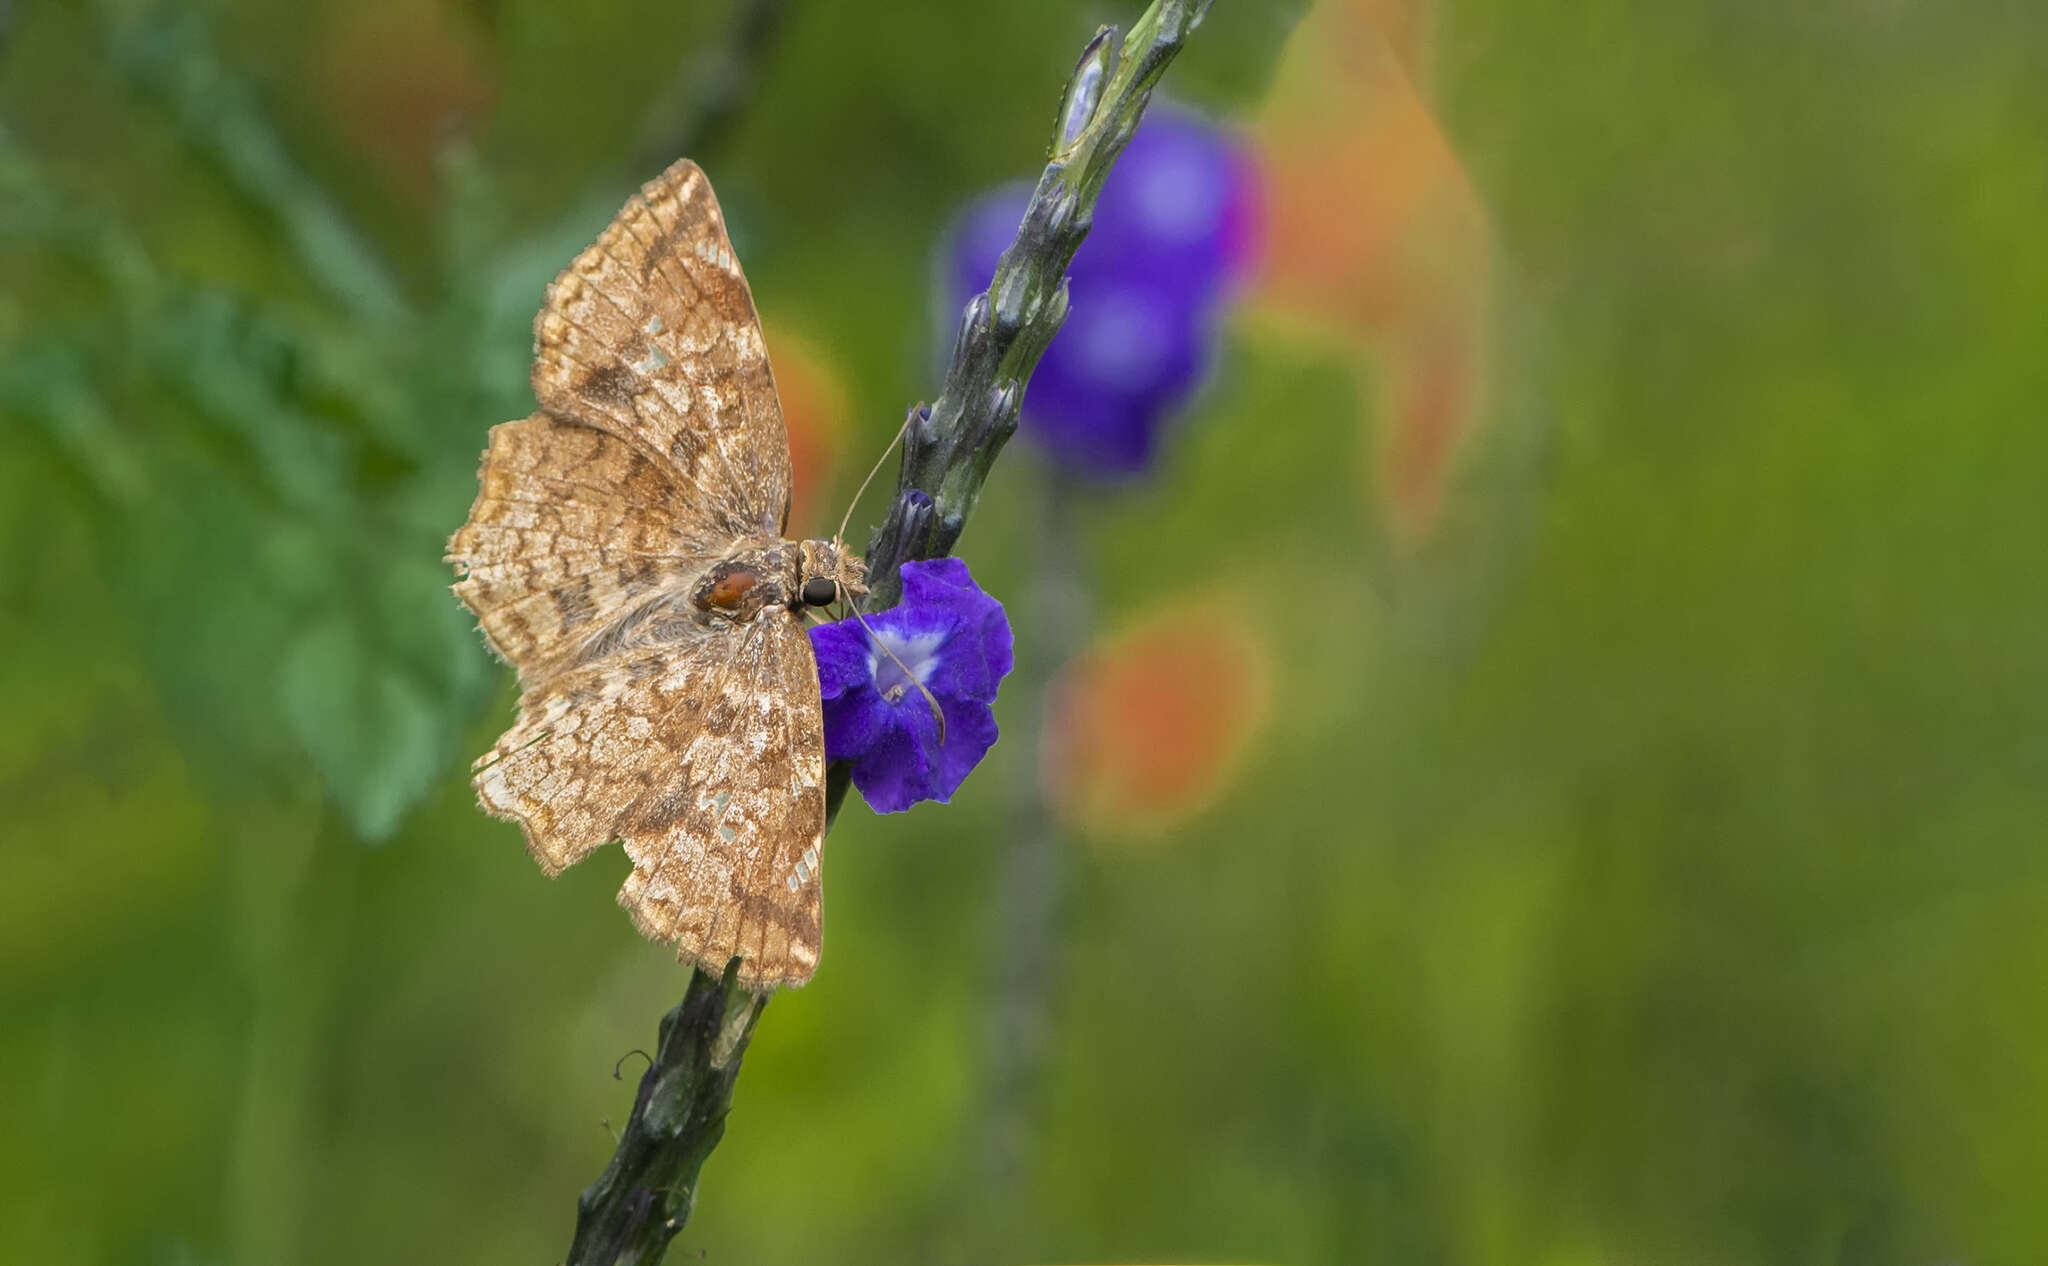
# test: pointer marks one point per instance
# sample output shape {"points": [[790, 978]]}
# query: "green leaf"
{"points": [[373, 733]]}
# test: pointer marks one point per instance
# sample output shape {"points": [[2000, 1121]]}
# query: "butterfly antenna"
{"points": [[933, 700], [874, 470]]}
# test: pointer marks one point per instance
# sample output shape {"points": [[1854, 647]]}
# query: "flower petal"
{"points": [[1173, 229], [956, 640], [978, 654], [893, 774], [855, 723], [970, 732], [842, 651]]}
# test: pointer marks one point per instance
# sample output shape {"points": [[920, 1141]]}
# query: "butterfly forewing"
{"points": [[571, 527], [651, 334], [659, 450]]}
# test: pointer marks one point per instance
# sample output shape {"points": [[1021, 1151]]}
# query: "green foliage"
{"points": [[370, 707], [280, 514]]}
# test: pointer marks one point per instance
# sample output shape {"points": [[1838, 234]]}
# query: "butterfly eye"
{"points": [[820, 591]]}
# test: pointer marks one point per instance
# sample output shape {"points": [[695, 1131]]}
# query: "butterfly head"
{"points": [[829, 573]]}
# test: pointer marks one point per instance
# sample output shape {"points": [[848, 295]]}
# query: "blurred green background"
{"points": [[1626, 846]]}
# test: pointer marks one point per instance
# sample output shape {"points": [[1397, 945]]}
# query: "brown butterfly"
{"points": [[625, 554]]}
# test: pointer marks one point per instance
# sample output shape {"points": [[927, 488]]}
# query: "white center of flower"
{"points": [[919, 654]]}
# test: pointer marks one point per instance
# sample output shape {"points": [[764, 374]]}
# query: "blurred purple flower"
{"points": [[1174, 227], [951, 637]]}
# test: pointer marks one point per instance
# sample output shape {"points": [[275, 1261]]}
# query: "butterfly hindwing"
{"points": [[727, 866]]}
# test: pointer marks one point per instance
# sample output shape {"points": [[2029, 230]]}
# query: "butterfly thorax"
{"points": [[758, 575]]}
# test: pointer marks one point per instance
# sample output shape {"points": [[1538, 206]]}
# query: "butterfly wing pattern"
{"points": [[659, 456]]}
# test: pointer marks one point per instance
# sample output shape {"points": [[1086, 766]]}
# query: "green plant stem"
{"points": [[645, 1195], [713, 87], [949, 447], [1032, 874], [294, 884]]}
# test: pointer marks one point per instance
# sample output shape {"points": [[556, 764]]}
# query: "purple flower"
{"points": [[1173, 228], [952, 638]]}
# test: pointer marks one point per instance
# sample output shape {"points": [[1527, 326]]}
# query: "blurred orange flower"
{"points": [[1374, 232], [400, 81], [1149, 727], [814, 406]]}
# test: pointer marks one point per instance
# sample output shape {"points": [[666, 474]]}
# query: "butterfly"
{"points": [[625, 554]]}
